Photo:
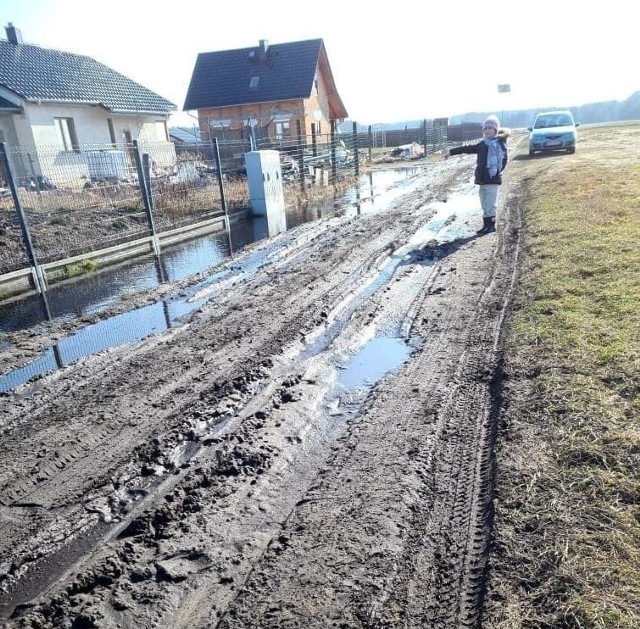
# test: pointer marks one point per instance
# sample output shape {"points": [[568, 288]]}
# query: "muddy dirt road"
{"points": [[225, 474]]}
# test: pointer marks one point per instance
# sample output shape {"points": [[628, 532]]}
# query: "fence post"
{"points": [[252, 136], [37, 271], [333, 152], [301, 148], [425, 138], [146, 167], [223, 199], [216, 155], [145, 189], [355, 145], [314, 140], [370, 140]]}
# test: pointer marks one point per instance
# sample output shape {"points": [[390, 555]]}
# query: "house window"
{"points": [[67, 133], [112, 132], [254, 82], [282, 129]]}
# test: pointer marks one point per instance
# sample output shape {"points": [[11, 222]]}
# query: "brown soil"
{"points": [[207, 477]]}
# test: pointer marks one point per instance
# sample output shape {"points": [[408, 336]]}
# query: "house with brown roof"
{"points": [[54, 103], [269, 92]]}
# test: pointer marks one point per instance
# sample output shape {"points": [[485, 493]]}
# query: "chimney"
{"points": [[262, 49], [14, 35]]}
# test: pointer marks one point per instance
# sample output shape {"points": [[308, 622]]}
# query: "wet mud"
{"points": [[235, 472]]}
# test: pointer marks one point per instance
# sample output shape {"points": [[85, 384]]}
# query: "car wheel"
{"points": [[531, 153], [571, 151]]}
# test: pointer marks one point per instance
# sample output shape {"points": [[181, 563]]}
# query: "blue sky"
{"points": [[402, 60]]}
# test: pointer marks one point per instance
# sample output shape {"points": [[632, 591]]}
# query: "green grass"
{"points": [[567, 550], [80, 268]]}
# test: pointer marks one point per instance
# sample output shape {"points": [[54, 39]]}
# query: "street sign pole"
{"points": [[503, 88]]}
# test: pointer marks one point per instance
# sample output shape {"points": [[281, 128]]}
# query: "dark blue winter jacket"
{"points": [[480, 149]]}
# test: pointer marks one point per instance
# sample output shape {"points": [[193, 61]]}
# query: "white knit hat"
{"points": [[491, 121]]}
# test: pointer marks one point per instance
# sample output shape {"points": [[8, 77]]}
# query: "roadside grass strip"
{"points": [[568, 488]]}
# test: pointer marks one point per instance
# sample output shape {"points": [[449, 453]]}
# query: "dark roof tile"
{"points": [[45, 74], [224, 78]]}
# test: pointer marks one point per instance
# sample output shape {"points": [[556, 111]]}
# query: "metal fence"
{"points": [[57, 204]]}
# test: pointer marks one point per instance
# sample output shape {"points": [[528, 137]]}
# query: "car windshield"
{"points": [[560, 120]]}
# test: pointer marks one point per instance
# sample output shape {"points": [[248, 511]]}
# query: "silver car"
{"points": [[553, 131]]}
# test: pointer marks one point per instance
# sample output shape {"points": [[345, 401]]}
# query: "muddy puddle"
{"points": [[377, 358]]}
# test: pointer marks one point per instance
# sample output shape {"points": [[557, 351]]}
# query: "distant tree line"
{"points": [[607, 111]]}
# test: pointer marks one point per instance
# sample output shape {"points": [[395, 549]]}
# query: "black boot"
{"points": [[485, 226], [489, 225]]}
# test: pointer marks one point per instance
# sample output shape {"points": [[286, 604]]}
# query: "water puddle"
{"points": [[119, 330], [93, 293], [380, 356], [379, 190]]}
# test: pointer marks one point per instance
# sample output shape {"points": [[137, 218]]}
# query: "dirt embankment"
{"points": [[217, 475]]}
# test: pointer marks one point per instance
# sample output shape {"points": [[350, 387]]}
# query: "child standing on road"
{"points": [[491, 156]]}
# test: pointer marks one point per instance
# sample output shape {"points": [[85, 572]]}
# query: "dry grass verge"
{"points": [[567, 545]]}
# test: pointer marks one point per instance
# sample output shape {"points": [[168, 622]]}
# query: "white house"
{"points": [[55, 106]]}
